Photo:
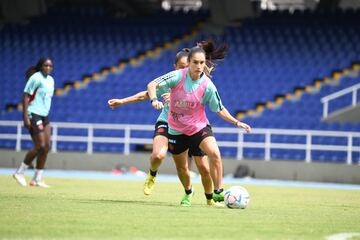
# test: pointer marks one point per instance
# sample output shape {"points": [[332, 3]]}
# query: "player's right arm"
{"points": [[138, 97], [25, 103], [169, 80], [31, 85]]}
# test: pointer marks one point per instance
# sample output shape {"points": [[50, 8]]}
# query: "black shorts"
{"points": [[161, 129], [180, 143], [38, 123]]}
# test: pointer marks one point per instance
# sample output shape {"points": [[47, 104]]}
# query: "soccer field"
{"points": [[117, 209]]}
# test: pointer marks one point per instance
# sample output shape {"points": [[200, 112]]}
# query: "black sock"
{"points": [[217, 191], [188, 191], [152, 173], [209, 196]]}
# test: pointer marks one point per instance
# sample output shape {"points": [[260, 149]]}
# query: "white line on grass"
{"points": [[342, 236]]}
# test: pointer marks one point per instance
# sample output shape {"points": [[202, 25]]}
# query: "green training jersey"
{"points": [[41, 89]]}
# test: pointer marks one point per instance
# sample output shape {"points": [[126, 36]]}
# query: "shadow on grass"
{"points": [[139, 202], [133, 202]]}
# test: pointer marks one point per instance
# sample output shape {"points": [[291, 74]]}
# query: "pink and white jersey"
{"points": [[187, 114]]}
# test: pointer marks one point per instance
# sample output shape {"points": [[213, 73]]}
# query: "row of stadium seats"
{"points": [[82, 44], [268, 56]]}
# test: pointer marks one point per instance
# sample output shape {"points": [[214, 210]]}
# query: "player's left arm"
{"points": [[224, 114], [213, 98]]}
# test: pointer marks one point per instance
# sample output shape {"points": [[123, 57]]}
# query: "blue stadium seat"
{"points": [[268, 56]]}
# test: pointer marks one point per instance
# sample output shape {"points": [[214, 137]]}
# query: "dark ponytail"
{"points": [[33, 69], [213, 54], [29, 72]]}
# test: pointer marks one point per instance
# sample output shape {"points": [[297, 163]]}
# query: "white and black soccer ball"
{"points": [[236, 197]]}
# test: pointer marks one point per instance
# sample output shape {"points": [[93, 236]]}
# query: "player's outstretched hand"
{"points": [[244, 126], [114, 103]]}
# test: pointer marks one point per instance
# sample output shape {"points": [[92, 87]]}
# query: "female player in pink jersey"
{"points": [[191, 90], [160, 141]]}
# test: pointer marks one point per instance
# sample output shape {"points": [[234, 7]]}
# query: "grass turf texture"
{"points": [[108, 209]]}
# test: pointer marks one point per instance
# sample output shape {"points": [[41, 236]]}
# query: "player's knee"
{"points": [[43, 149], [203, 170], [47, 148], [214, 155], [182, 170], [37, 147], [158, 156]]}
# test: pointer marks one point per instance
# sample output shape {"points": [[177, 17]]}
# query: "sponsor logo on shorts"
{"points": [[40, 124], [172, 141], [161, 130]]}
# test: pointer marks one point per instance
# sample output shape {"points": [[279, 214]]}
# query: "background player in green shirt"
{"points": [[36, 101]]}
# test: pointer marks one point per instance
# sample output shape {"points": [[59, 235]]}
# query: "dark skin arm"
{"points": [[25, 102]]}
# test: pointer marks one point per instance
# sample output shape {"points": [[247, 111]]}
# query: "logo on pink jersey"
{"points": [[184, 104]]}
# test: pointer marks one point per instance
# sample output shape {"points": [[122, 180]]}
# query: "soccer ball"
{"points": [[236, 197]]}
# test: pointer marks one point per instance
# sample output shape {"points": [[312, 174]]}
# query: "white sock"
{"points": [[38, 175], [22, 168]]}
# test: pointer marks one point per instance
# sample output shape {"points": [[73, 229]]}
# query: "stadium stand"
{"points": [[277, 70]]}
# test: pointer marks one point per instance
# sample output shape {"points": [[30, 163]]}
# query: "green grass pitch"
{"points": [[116, 209]]}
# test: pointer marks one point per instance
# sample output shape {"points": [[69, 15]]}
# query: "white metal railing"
{"points": [[325, 100], [239, 144]]}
